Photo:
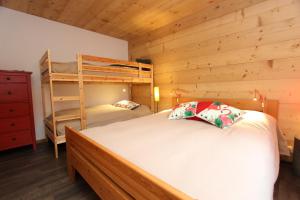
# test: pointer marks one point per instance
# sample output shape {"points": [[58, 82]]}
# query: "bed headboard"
{"points": [[271, 106]]}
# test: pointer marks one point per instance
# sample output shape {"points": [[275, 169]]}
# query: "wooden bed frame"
{"points": [[269, 106], [113, 177], [137, 73]]}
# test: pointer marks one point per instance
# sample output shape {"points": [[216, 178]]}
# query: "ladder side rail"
{"points": [[52, 107], [81, 92]]}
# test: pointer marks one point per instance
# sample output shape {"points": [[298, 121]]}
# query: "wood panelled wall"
{"points": [[257, 47]]}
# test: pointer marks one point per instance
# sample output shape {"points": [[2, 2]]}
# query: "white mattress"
{"points": [[201, 160], [100, 115], [71, 68]]}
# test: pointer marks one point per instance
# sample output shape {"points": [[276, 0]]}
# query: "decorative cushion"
{"points": [[184, 110], [130, 105], [200, 107], [220, 115]]}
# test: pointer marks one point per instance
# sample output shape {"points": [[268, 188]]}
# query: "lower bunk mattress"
{"points": [[99, 115]]}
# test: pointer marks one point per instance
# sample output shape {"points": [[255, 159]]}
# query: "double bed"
{"points": [[152, 157]]}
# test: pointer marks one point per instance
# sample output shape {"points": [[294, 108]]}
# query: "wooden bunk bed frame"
{"points": [[136, 73], [113, 177]]}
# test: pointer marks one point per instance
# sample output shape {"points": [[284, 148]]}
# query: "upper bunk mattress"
{"points": [[72, 68], [197, 158], [100, 115]]}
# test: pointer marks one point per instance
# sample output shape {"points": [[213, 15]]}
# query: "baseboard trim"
{"points": [[42, 141]]}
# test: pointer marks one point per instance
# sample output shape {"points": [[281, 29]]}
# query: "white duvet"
{"points": [[199, 159]]}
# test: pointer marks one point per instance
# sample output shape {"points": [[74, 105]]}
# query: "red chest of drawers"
{"points": [[16, 113]]}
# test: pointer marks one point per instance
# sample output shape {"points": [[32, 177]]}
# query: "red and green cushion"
{"points": [[221, 115], [184, 110], [200, 107]]}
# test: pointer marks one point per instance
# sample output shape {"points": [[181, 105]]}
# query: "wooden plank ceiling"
{"points": [[125, 19]]}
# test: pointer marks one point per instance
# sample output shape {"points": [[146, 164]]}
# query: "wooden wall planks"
{"points": [[257, 47], [141, 93]]}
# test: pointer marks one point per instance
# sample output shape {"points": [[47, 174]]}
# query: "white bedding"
{"points": [[71, 68], [100, 115], [201, 160]]}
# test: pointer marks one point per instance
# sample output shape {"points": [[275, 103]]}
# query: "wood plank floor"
{"points": [[36, 175]]}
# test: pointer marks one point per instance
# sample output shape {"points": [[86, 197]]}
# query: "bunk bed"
{"points": [[87, 69]]}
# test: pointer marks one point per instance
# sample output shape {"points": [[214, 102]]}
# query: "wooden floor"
{"points": [[37, 175], [31, 175], [288, 184]]}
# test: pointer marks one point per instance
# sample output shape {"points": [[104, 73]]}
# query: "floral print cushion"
{"points": [[200, 107], [184, 110], [220, 115], [130, 105]]}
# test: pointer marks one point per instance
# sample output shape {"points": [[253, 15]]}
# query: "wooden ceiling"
{"points": [[124, 19]]}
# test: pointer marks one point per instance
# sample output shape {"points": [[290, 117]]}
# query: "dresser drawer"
{"points": [[14, 124], [7, 78], [13, 92], [13, 109], [8, 141]]}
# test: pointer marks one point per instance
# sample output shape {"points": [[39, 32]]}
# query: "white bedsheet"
{"points": [[201, 160], [100, 115]]}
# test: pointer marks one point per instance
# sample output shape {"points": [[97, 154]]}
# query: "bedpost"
{"points": [[70, 168], [151, 90], [81, 93], [130, 91], [52, 104], [43, 86]]}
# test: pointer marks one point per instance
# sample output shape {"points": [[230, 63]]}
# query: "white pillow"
{"points": [[130, 105]]}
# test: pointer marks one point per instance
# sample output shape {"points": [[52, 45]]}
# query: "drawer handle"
{"points": [[9, 93], [12, 124], [8, 78], [13, 139]]}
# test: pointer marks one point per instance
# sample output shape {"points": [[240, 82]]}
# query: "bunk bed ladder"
{"points": [[56, 139]]}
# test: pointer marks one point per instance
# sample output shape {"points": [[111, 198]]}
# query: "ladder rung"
{"points": [[63, 77], [66, 98], [66, 117]]}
